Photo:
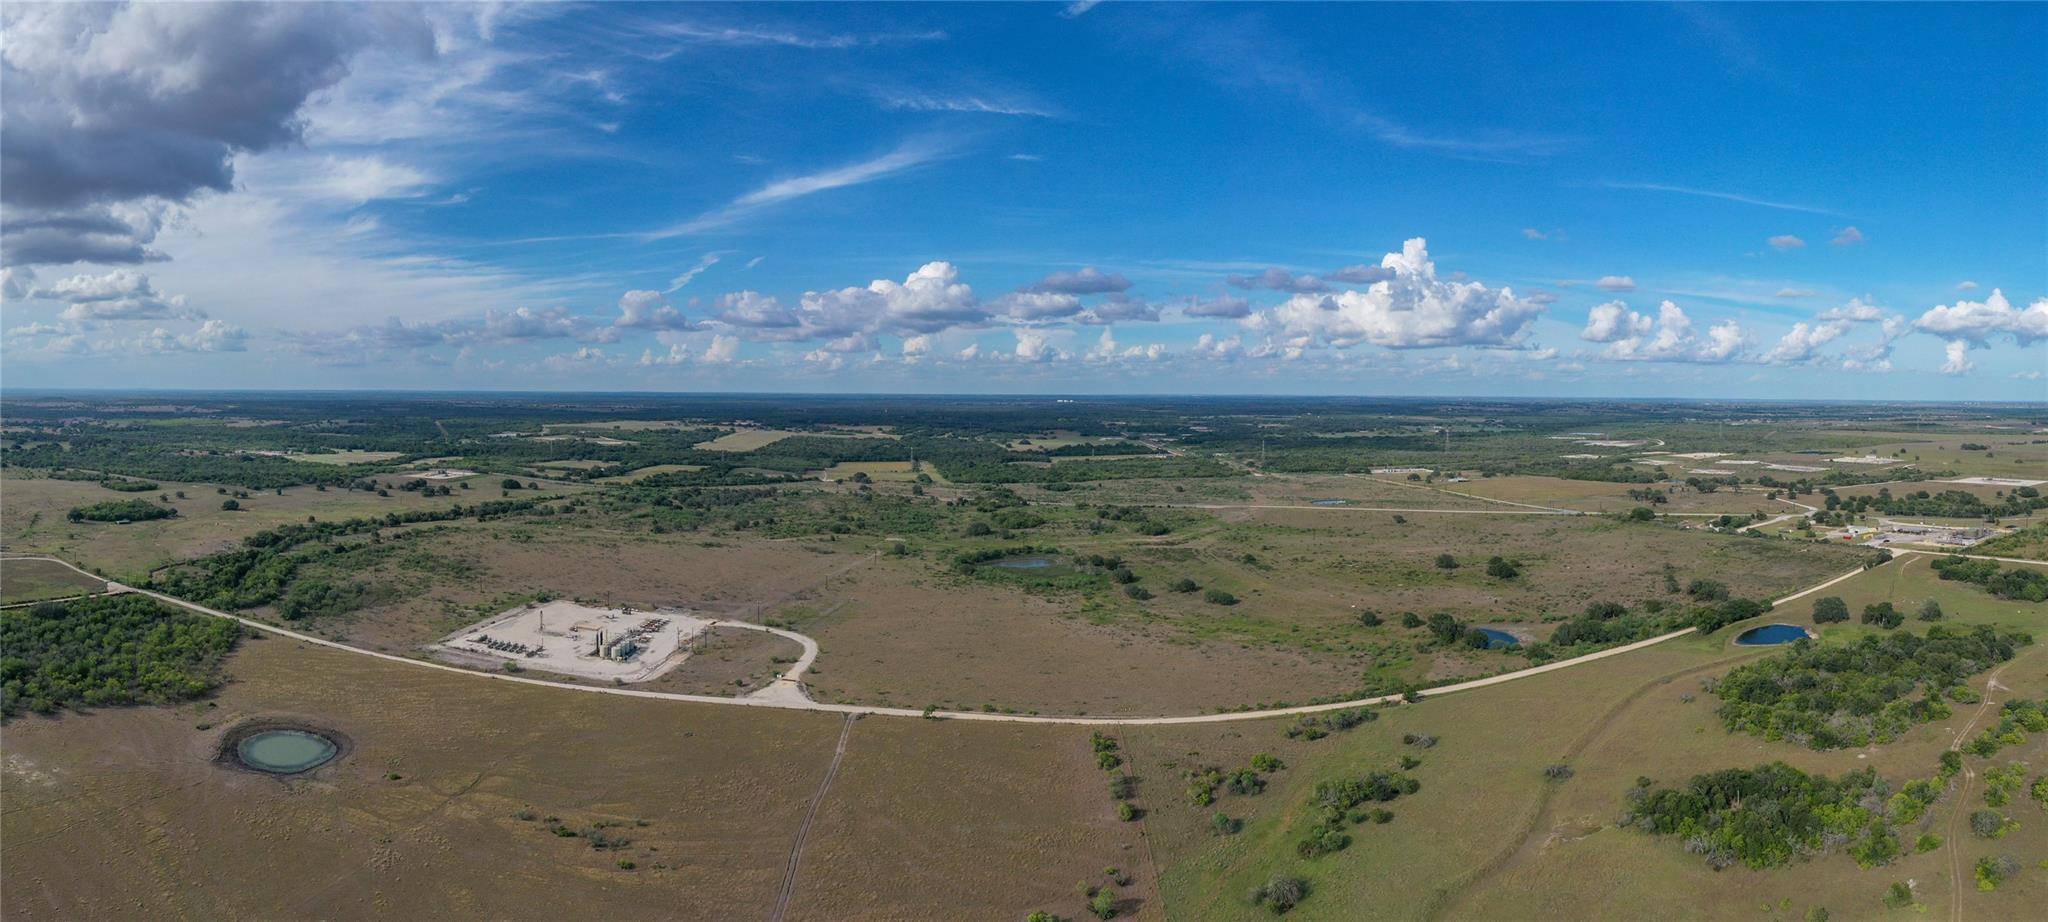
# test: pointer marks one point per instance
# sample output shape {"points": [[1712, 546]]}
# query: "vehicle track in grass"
{"points": [[787, 890]]}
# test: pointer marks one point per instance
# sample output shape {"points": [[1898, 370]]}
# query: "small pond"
{"points": [[1497, 639], [1771, 635], [1023, 563], [285, 752]]}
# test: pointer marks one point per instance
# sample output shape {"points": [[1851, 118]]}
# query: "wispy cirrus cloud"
{"points": [[971, 103], [910, 155], [757, 36], [1714, 194]]}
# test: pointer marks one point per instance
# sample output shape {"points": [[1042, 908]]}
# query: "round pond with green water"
{"points": [[285, 752]]}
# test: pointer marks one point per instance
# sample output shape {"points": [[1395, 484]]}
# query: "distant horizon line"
{"points": [[5, 393]]}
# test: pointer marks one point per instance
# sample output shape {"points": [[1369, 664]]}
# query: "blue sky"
{"points": [[1730, 200]]}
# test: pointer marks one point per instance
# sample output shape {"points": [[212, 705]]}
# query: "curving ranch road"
{"points": [[787, 691]]}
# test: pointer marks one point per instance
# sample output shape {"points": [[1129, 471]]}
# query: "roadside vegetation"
{"points": [[107, 651]]}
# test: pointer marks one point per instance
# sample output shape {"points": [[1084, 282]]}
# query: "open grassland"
{"points": [[742, 440], [650, 471], [2007, 455], [915, 630], [911, 633], [1602, 496], [884, 471], [123, 813], [440, 581], [912, 638], [1352, 491], [968, 821], [347, 457], [1489, 836], [34, 521], [35, 580]]}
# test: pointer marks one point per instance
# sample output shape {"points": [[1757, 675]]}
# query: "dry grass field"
{"points": [[35, 580], [907, 637], [729, 661], [459, 575], [347, 457], [1602, 496], [882, 471], [123, 814]]}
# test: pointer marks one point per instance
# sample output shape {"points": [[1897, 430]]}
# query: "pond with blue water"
{"points": [[285, 752], [1771, 635], [1023, 563], [1496, 640]]}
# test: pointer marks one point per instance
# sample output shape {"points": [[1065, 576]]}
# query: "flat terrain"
{"points": [[123, 813], [1602, 496], [730, 661], [35, 520], [1489, 837], [35, 580]]}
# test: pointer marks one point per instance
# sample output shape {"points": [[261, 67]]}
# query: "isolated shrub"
{"points": [[1138, 592], [1994, 870], [1990, 824], [1502, 568], [1446, 562], [1103, 904], [230, 505], [1280, 893], [1218, 597], [1123, 575], [1410, 619], [1369, 618], [1222, 824], [1930, 610], [1558, 772], [1184, 585]]}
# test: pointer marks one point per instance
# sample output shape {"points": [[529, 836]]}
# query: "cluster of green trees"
{"points": [[1954, 504], [1828, 696], [1766, 816], [2023, 583], [108, 650], [121, 510], [1317, 726], [164, 460], [1341, 803]]}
